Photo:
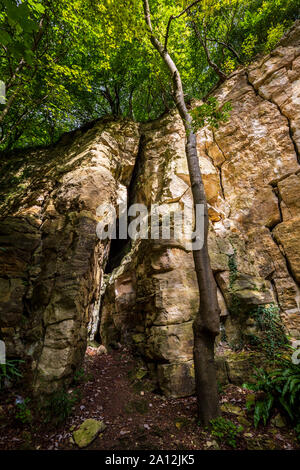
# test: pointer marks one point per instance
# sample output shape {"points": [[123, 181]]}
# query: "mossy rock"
{"points": [[244, 422], [141, 373], [258, 443], [87, 432], [230, 408], [138, 338], [278, 421]]}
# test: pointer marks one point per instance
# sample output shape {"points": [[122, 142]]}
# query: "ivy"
{"points": [[273, 339], [233, 269]]}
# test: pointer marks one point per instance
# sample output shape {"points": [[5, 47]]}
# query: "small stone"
{"points": [[212, 445], [244, 422], [101, 350], [87, 432], [278, 421], [146, 426], [230, 408]]}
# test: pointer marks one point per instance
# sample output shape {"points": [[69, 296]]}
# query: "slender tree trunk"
{"points": [[206, 323], [8, 105]]}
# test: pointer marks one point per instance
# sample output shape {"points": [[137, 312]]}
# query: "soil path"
{"points": [[114, 388]]}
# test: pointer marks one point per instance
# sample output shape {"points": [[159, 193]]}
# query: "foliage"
{"points": [[273, 339], [281, 389], [210, 113], [79, 376], [66, 63], [23, 413], [274, 34], [10, 371], [225, 430], [235, 301], [233, 268], [297, 431], [59, 406]]}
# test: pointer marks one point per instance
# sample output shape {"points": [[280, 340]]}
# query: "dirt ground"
{"points": [[114, 390]]}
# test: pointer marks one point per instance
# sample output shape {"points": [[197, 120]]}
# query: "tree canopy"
{"points": [[68, 62]]}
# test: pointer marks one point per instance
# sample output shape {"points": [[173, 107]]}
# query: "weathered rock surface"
{"points": [[51, 259], [251, 175], [52, 263]]}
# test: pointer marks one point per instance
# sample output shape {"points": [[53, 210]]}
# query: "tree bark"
{"points": [[206, 323]]}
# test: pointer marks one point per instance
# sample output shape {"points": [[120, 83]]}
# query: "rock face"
{"points": [[251, 173], [52, 262], [51, 259]]}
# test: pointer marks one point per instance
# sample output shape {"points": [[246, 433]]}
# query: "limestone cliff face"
{"points": [[52, 263]]}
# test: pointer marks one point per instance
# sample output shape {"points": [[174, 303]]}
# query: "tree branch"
{"points": [[203, 42], [174, 17], [228, 46]]}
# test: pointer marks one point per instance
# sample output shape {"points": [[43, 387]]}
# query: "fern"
{"points": [[281, 389]]}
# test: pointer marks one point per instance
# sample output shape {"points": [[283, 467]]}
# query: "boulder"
{"points": [[87, 432]]}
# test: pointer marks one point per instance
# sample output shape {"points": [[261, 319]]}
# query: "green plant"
{"points": [[59, 406], [280, 389], [297, 431], [233, 274], [235, 302], [10, 371], [272, 339], [211, 113], [79, 376], [23, 413], [220, 388], [233, 268], [225, 430]]}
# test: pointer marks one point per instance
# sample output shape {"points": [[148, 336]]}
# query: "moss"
{"points": [[272, 338], [233, 269], [87, 432]]}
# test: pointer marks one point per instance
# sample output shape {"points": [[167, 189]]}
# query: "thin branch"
{"points": [[174, 17], [228, 46], [203, 42]]}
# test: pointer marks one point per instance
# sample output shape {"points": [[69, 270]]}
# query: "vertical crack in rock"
{"points": [[219, 167], [258, 93], [276, 191], [119, 249]]}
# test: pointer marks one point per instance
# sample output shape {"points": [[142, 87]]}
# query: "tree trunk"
{"points": [[206, 323]]}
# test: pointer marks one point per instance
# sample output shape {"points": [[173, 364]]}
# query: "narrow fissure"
{"points": [[257, 92], [121, 247]]}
